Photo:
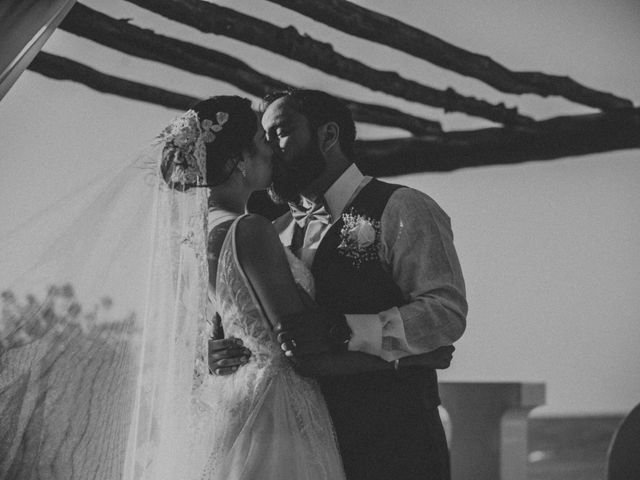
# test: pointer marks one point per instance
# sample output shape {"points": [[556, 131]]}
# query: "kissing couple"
{"points": [[327, 324]]}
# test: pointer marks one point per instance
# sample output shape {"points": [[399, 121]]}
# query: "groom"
{"points": [[383, 261]]}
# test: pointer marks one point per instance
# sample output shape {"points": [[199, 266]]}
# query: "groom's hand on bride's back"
{"points": [[226, 355]]}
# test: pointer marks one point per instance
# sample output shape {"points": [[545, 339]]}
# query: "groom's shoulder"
{"points": [[403, 194], [408, 199]]}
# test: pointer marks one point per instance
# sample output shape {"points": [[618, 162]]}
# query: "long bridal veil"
{"points": [[103, 300]]}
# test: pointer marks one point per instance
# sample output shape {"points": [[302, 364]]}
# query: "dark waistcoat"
{"points": [[378, 416]]}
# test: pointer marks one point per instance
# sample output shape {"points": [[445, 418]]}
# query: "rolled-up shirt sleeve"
{"points": [[416, 248]]}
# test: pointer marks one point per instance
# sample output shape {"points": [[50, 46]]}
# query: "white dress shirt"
{"points": [[416, 249]]}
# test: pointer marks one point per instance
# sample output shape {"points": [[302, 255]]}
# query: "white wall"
{"points": [[549, 249]]}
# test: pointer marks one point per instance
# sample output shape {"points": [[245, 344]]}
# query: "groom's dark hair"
{"points": [[319, 108]]}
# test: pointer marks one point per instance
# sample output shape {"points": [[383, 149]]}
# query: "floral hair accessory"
{"points": [[186, 138], [359, 236], [210, 129]]}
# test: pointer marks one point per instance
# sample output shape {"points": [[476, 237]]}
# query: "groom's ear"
{"points": [[328, 135]]}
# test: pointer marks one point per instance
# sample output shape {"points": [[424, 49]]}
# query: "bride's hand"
{"points": [[226, 355], [305, 333]]}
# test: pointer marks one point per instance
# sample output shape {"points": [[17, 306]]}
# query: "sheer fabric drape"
{"points": [[102, 310]]}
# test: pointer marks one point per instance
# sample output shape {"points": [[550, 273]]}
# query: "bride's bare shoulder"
{"points": [[262, 258], [253, 227], [255, 236], [254, 221]]}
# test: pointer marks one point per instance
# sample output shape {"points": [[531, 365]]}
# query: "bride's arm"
{"points": [[264, 262], [262, 258]]}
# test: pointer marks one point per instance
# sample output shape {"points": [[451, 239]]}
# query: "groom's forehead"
{"points": [[280, 112]]}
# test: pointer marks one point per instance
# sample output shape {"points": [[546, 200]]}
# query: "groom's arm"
{"points": [[311, 326], [226, 355], [417, 250]]}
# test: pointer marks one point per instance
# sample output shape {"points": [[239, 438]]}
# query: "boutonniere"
{"points": [[359, 237]]}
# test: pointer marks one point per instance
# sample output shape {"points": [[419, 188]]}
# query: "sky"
{"points": [[548, 249]]}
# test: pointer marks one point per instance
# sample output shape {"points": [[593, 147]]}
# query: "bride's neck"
{"points": [[229, 200]]}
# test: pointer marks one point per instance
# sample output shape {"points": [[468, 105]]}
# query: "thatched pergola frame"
{"points": [[516, 137]]}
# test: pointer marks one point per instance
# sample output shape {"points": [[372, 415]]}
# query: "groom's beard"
{"points": [[290, 179]]}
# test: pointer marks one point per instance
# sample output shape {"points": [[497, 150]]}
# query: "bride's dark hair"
{"points": [[223, 153]]}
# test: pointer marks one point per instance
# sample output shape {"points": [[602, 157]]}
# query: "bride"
{"points": [[271, 423]]}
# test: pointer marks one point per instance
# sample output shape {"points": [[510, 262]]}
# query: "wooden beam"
{"points": [[60, 68], [550, 139], [144, 43], [210, 18], [364, 23], [546, 140]]}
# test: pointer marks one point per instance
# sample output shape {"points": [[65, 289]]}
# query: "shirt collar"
{"points": [[340, 193]]}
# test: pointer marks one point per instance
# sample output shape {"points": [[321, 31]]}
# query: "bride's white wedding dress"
{"points": [[270, 422]]}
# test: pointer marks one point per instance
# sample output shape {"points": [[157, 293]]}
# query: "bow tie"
{"points": [[303, 216]]}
